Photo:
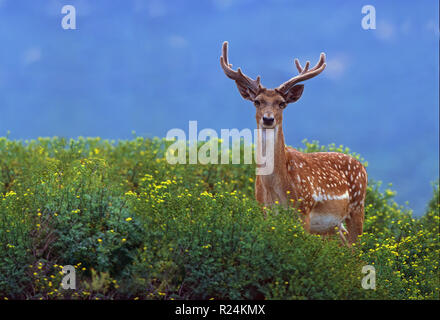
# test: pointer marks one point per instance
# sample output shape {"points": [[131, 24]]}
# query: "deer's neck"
{"points": [[275, 184]]}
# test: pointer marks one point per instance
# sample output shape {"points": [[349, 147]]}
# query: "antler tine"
{"points": [[300, 68], [320, 62], [304, 73], [240, 78], [225, 53]]}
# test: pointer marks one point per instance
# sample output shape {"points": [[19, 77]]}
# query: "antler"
{"points": [[304, 73], [244, 83]]}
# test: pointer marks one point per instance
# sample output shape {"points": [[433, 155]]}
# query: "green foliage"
{"points": [[135, 226]]}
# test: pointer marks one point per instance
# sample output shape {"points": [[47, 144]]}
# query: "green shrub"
{"points": [[135, 226]]}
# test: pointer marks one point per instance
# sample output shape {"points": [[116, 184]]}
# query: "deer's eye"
{"points": [[283, 105], [257, 103]]}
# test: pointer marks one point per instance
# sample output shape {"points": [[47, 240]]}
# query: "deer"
{"points": [[327, 188]]}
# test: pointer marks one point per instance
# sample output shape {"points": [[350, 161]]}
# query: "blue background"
{"points": [[150, 66]]}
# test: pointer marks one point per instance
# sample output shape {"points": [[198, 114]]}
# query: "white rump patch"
{"points": [[320, 197], [342, 196]]}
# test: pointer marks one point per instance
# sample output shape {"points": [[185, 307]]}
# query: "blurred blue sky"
{"points": [[153, 65]]}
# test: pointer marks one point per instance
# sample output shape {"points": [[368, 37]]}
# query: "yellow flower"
{"points": [[128, 219]]}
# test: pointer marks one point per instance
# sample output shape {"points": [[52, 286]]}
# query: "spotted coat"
{"points": [[324, 176], [328, 188]]}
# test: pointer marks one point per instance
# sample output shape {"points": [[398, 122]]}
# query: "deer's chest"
{"points": [[272, 190]]}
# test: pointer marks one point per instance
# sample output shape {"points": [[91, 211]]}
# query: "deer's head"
{"points": [[270, 103]]}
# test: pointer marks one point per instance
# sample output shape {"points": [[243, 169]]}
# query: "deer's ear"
{"points": [[294, 93], [246, 92]]}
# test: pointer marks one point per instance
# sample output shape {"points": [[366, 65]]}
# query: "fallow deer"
{"points": [[328, 187]]}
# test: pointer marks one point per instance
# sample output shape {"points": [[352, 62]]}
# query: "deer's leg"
{"points": [[306, 222], [342, 231], [355, 223]]}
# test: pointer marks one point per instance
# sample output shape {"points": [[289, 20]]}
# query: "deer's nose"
{"points": [[268, 120]]}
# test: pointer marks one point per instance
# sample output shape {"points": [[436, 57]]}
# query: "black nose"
{"points": [[268, 121]]}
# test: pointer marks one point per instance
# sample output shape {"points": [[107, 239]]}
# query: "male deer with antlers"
{"points": [[328, 187]]}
